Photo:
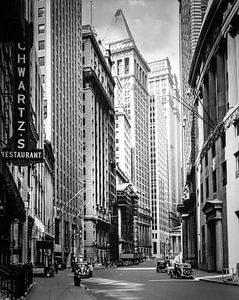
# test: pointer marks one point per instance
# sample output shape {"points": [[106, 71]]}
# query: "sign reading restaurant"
{"points": [[21, 154]]}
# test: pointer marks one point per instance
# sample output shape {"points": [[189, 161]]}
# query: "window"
{"points": [[236, 124], [41, 12], [41, 45], [224, 173], [42, 61], [154, 247], [223, 139], [206, 159], [126, 62], [57, 231], [41, 28], [214, 181], [207, 188], [201, 191], [213, 150], [237, 163]]}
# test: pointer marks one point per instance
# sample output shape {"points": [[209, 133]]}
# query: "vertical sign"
{"points": [[21, 98], [21, 153]]}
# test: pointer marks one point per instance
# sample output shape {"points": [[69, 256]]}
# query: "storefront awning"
{"points": [[14, 206]]}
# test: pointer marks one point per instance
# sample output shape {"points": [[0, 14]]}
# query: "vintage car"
{"points": [[82, 270], [181, 270], [161, 265]]}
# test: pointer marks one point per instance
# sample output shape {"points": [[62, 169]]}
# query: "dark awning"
{"points": [[14, 206]]}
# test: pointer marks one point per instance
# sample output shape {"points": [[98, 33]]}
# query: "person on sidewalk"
{"points": [[56, 266]]}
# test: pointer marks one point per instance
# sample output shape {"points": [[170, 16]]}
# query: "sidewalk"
{"points": [[59, 287], [213, 277]]}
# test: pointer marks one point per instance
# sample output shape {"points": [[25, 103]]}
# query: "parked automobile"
{"points": [[82, 270], [161, 265], [180, 270]]}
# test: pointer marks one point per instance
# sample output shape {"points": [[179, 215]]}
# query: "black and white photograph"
{"points": [[119, 149]]}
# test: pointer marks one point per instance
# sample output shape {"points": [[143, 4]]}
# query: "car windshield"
{"points": [[82, 265]]}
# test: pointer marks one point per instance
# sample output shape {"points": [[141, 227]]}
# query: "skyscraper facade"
{"points": [[191, 14], [132, 71], [57, 33], [165, 152], [99, 147], [123, 140]]}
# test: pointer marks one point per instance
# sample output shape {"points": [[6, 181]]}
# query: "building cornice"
{"points": [[87, 32]]}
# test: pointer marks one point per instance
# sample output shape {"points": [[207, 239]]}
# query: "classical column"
{"points": [[219, 244], [212, 94], [221, 97], [237, 66], [206, 106], [232, 70], [210, 247], [120, 229]]}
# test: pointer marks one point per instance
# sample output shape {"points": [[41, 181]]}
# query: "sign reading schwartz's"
{"points": [[20, 154]]}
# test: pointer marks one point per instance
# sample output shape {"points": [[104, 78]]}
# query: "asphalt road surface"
{"points": [[141, 282]]}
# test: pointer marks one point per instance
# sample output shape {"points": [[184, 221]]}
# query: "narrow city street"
{"points": [[142, 282], [131, 283]]}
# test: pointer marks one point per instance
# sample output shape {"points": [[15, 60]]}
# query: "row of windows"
{"points": [[215, 181]]}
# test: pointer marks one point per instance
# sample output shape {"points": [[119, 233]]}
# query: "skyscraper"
{"points": [[165, 153], [57, 34], [191, 14], [132, 71], [99, 147]]}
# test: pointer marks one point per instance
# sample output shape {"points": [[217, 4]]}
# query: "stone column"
{"points": [[221, 97], [120, 229], [232, 71], [210, 247], [237, 66], [219, 244], [206, 106], [212, 95]]}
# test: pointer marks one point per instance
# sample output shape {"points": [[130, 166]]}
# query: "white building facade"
{"points": [[132, 71], [165, 149]]}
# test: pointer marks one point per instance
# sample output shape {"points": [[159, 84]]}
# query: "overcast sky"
{"points": [[153, 23]]}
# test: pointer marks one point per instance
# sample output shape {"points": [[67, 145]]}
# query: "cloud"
{"points": [[137, 2], [132, 3]]}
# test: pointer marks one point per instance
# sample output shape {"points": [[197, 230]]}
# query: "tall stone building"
{"points": [[57, 35], [22, 217], [191, 14], [214, 77], [165, 155], [132, 71], [99, 147]]}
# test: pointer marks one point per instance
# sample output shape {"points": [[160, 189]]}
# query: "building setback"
{"points": [[99, 147], [132, 71], [57, 35]]}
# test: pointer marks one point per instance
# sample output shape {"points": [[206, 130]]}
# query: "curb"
{"points": [[88, 290], [220, 282]]}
